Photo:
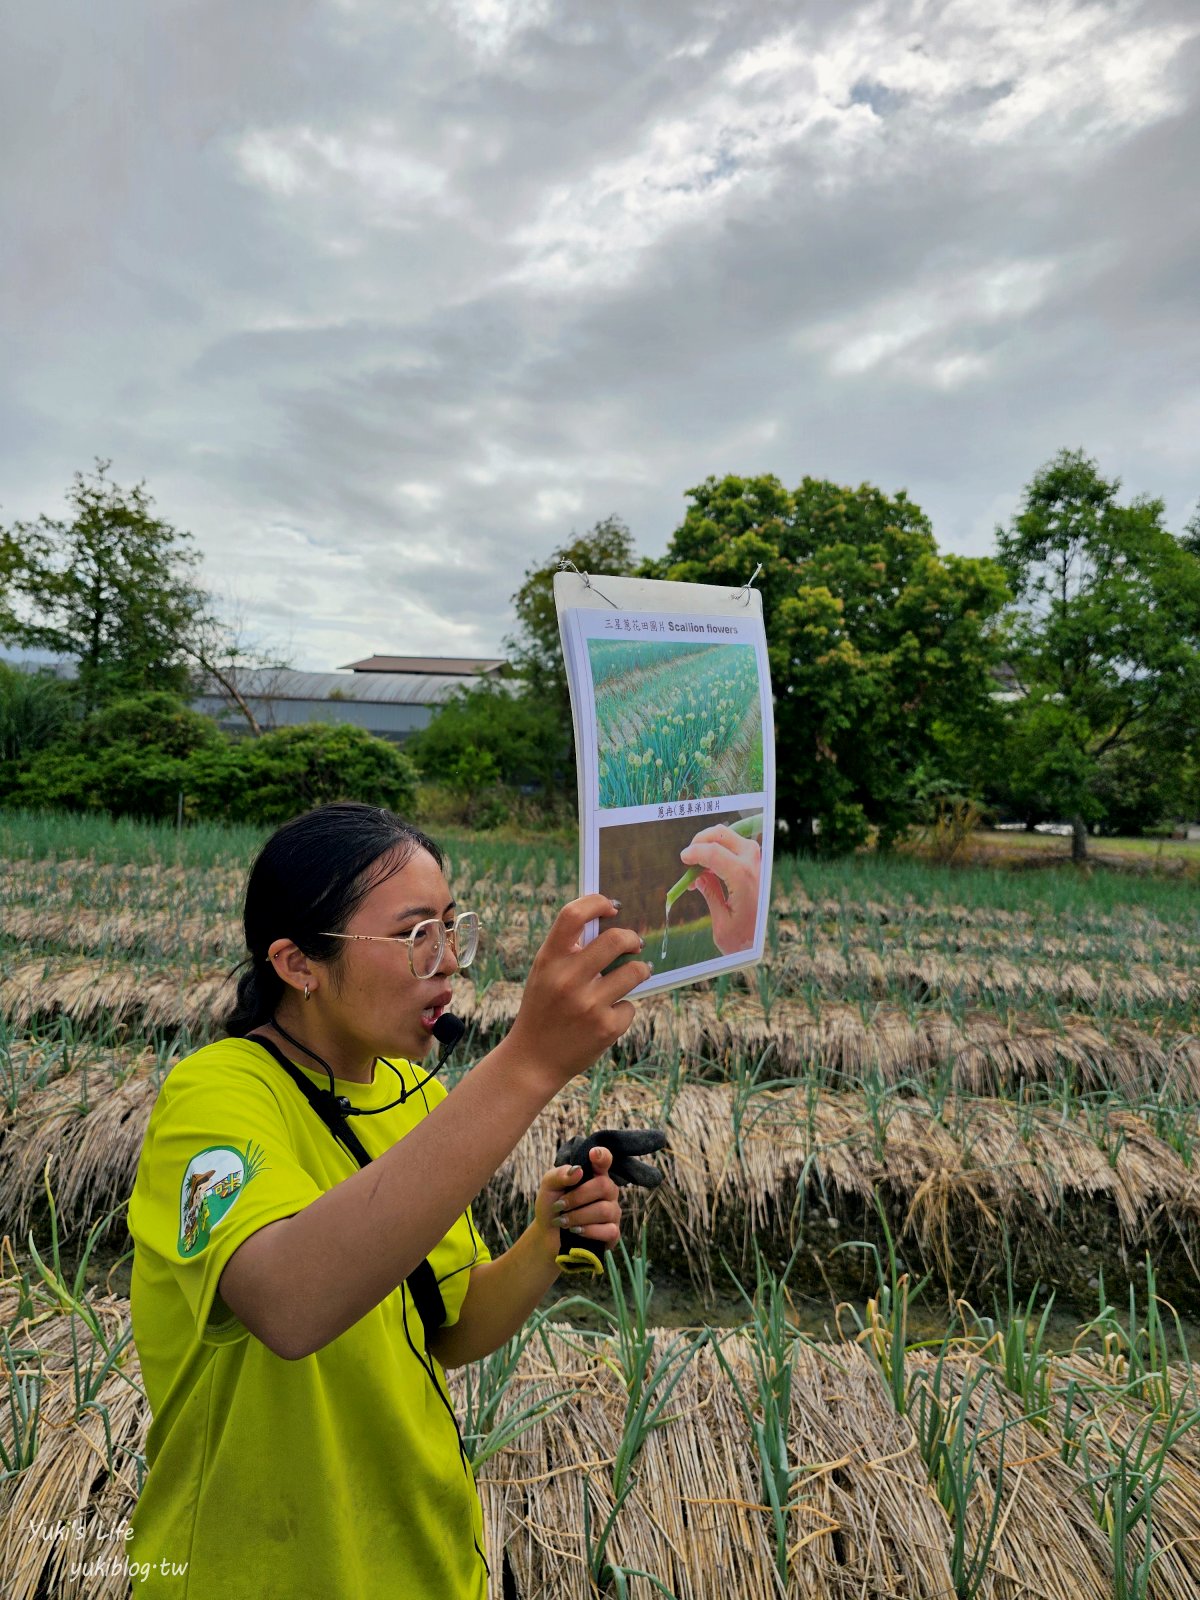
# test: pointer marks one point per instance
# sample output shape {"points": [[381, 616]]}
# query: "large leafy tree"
{"points": [[534, 649], [111, 587], [520, 733], [1106, 637], [881, 648], [8, 566]]}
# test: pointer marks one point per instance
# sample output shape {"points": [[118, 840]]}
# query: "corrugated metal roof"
{"points": [[397, 688], [434, 666]]}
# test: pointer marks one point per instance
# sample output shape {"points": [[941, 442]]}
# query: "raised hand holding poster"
{"points": [[674, 740]]}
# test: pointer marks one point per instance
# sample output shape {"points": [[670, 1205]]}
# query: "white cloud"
{"points": [[422, 495], [921, 326], [798, 107], [956, 369], [556, 505], [371, 162], [490, 26]]}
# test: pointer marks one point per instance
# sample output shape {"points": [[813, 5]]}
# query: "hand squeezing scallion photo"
{"points": [[724, 865]]}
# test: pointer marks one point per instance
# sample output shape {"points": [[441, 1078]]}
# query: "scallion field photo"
{"points": [[675, 721]]}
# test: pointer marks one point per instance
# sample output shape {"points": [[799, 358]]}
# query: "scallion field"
{"points": [[910, 1318]]}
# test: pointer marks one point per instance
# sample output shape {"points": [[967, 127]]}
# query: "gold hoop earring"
{"points": [[307, 996]]}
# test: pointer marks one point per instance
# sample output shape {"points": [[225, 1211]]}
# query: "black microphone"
{"points": [[448, 1030]]}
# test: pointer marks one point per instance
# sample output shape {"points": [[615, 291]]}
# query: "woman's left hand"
{"points": [[591, 1209]]}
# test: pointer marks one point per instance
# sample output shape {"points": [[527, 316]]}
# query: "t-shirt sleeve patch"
{"points": [[219, 1162], [213, 1180]]}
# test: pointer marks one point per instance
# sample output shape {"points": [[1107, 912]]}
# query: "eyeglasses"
{"points": [[427, 942]]}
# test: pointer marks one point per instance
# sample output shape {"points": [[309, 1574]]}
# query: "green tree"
{"points": [[112, 588], [9, 557], [35, 710], [1105, 636], [1191, 533], [535, 651], [1189, 784], [881, 649], [1140, 786]]}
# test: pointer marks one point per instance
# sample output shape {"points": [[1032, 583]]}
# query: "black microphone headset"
{"points": [[447, 1030]]}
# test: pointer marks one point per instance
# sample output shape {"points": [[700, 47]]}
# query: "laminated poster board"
{"points": [[671, 701]]}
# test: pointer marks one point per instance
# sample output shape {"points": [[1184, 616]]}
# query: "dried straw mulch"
{"points": [[960, 1181], [981, 1053], [864, 1524], [864, 1519]]}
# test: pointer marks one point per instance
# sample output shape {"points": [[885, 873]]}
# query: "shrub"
{"points": [[291, 769], [128, 758], [1137, 785], [157, 721], [522, 734], [136, 756], [124, 780]]}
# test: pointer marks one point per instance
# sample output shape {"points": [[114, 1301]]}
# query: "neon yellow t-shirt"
{"points": [[339, 1474]]}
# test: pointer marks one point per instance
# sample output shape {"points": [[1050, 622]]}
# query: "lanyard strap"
{"points": [[422, 1285]]}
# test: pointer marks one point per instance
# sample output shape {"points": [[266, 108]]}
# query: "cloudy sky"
{"points": [[384, 301]]}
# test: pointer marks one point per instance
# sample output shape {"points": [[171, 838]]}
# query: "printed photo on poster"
{"points": [[675, 721], [692, 887]]}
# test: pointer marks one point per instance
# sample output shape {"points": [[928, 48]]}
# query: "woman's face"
{"points": [[372, 997]]}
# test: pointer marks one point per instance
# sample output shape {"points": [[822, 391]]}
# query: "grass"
{"points": [[489, 1423], [862, 879], [1015, 843], [766, 1402], [63, 836]]}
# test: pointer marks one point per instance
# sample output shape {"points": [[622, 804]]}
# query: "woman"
{"points": [[302, 1443]]}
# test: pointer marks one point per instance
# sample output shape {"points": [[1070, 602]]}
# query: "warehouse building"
{"points": [[392, 696]]}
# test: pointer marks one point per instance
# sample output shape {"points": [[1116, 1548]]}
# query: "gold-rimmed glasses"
{"points": [[427, 942]]}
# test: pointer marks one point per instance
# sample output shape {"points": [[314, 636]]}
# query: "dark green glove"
{"points": [[626, 1144]]}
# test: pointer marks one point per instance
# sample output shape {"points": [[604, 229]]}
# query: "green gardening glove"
{"points": [[626, 1144]]}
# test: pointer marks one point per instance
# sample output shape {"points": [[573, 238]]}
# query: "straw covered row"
{"points": [[982, 1052], [872, 1509], [961, 1179]]}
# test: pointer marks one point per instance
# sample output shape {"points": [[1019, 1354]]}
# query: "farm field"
{"points": [[998, 846], [945, 1140], [676, 721]]}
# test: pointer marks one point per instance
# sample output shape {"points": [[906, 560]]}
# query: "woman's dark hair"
{"points": [[308, 879]]}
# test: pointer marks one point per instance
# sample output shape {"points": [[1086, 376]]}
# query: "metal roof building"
{"points": [[391, 704], [434, 666]]}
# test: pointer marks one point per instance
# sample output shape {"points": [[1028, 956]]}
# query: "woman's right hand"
{"points": [[571, 1012]]}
